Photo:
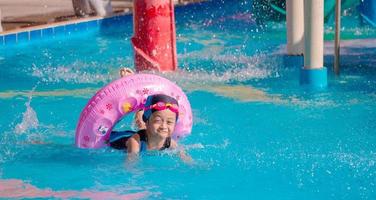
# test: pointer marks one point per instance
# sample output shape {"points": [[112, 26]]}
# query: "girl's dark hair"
{"points": [[153, 99]]}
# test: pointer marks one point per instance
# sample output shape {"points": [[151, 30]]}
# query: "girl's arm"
{"points": [[133, 147]]}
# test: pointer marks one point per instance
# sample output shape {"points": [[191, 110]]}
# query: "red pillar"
{"points": [[154, 39]]}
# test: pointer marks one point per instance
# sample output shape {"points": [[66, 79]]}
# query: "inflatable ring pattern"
{"points": [[122, 97]]}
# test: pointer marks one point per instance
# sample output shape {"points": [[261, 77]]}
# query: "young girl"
{"points": [[160, 116], [156, 123]]}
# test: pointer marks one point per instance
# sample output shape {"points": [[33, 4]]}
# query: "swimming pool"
{"points": [[257, 133]]}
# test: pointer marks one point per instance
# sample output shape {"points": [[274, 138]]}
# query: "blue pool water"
{"points": [[257, 133]]}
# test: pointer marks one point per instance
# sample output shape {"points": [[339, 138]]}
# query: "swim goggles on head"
{"points": [[163, 106]]}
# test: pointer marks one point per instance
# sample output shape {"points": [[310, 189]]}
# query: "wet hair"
{"points": [[153, 99]]}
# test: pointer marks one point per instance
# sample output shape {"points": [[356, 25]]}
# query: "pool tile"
{"points": [[10, 39], [106, 22], [62, 30], [47, 33], [59, 30], [35, 35], [70, 28], [23, 37], [293, 61], [82, 26], [92, 24], [125, 18]]}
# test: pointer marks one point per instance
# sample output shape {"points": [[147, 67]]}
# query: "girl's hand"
{"points": [[125, 72], [187, 159]]}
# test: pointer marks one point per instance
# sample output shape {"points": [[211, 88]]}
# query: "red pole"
{"points": [[154, 39]]}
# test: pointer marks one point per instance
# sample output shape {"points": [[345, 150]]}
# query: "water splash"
{"points": [[76, 73], [240, 69], [6, 151], [29, 117]]}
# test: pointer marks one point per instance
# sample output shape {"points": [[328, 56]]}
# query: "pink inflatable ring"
{"points": [[122, 97]]}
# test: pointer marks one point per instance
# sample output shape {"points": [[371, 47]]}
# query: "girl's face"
{"points": [[161, 123]]}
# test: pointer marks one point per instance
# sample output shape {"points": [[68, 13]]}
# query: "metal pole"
{"points": [[295, 27], [314, 74], [313, 34], [337, 38]]}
